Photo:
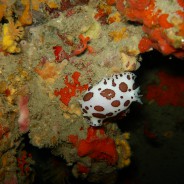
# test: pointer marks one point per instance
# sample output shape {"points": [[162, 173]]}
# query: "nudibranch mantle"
{"points": [[109, 97]]}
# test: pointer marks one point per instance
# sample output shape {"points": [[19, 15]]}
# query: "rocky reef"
{"points": [[51, 53]]}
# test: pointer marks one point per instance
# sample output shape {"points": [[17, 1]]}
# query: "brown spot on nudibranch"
{"points": [[113, 83], [123, 87], [98, 108], [84, 110], [115, 103], [128, 77], [105, 82], [86, 107], [108, 93], [109, 114], [127, 103], [88, 96], [98, 115], [90, 87]]}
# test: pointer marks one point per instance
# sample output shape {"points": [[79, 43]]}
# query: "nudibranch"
{"points": [[109, 97]]}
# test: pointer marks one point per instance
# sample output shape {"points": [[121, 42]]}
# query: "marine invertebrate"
{"points": [[163, 22], [71, 88], [99, 14], [36, 4], [109, 97], [23, 120], [145, 44], [11, 34], [61, 54], [82, 46], [159, 41], [165, 92], [138, 4], [161, 31], [124, 150], [103, 10], [24, 162], [181, 3], [119, 34], [26, 17], [97, 145], [110, 2], [49, 71], [2, 10], [115, 17]]}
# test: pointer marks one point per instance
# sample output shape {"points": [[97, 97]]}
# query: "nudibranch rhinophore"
{"points": [[109, 97]]}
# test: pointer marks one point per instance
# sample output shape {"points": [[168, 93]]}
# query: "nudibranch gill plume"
{"points": [[111, 96]]}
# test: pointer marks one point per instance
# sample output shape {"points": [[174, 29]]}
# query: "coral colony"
{"points": [[109, 97]]}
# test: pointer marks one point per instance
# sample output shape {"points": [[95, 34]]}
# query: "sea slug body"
{"points": [[109, 97]]}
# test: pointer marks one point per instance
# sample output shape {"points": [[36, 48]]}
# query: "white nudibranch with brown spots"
{"points": [[109, 97]]}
